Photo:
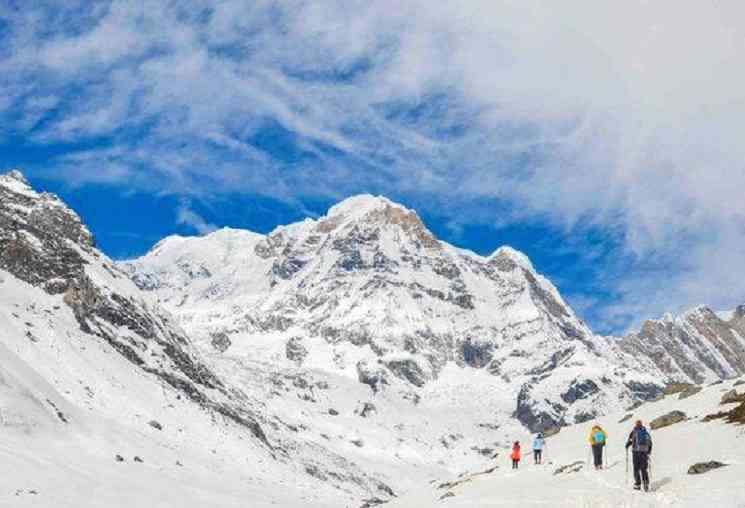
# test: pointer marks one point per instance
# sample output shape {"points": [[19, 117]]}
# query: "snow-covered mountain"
{"points": [[89, 369], [697, 346], [333, 361], [369, 293]]}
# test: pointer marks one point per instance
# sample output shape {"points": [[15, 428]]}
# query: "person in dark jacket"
{"points": [[640, 442]]}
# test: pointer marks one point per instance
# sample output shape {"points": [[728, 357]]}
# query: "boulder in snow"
{"points": [[732, 397], [674, 388], [668, 419], [689, 391], [705, 467]]}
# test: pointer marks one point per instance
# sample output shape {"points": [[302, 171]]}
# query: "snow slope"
{"points": [[676, 448]]}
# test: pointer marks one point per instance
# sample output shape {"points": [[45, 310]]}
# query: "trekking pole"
{"points": [[627, 467], [605, 456]]}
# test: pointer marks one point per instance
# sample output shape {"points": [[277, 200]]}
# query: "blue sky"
{"points": [[613, 158]]}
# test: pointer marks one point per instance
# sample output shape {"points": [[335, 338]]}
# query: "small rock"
{"points": [[119, 458], [740, 382], [689, 391], [551, 431], [358, 443], [138, 459], [369, 503], [668, 419], [367, 410], [705, 467], [447, 495], [333, 412], [574, 467], [674, 388], [154, 424]]}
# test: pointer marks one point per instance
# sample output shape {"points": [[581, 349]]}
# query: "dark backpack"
{"points": [[642, 440]]}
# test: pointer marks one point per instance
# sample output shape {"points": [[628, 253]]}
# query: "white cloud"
{"points": [[624, 116], [187, 216]]}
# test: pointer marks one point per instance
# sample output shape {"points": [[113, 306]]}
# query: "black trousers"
{"points": [[641, 468], [537, 455], [597, 454], [515, 463]]}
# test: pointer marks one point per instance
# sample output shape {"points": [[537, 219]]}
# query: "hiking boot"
{"points": [[637, 487], [646, 487]]}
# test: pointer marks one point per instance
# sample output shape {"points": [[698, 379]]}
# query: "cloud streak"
{"points": [[626, 118]]}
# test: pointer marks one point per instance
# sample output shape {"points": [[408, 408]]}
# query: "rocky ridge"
{"points": [[369, 275]]}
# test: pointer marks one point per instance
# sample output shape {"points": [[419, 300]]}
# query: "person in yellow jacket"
{"points": [[598, 438]]}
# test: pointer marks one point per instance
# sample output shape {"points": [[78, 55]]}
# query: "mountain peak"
{"points": [[17, 175], [508, 253], [15, 181], [361, 204]]}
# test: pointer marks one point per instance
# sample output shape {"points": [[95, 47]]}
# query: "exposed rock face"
{"points": [[221, 341], [698, 346], [668, 419], [295, 350]]}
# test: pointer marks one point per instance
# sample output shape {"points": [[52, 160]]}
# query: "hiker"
{"points": [[597, 442], [515, 455], [641, 448], [538, 444]]}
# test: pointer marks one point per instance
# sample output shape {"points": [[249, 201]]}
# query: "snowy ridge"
{"points": [[699, 345]]}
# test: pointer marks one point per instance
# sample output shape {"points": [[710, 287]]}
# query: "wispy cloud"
{"points": [[187, 216], [624, 117]]}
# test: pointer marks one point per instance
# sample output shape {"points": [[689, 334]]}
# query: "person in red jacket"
{"points": [[515, 455]]}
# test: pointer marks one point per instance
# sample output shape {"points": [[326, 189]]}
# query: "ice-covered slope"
{"points": [[367, 292], [676, 448], [699, 345]]}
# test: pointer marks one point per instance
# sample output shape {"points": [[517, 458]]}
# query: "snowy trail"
{"points": [[676, 448]]}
